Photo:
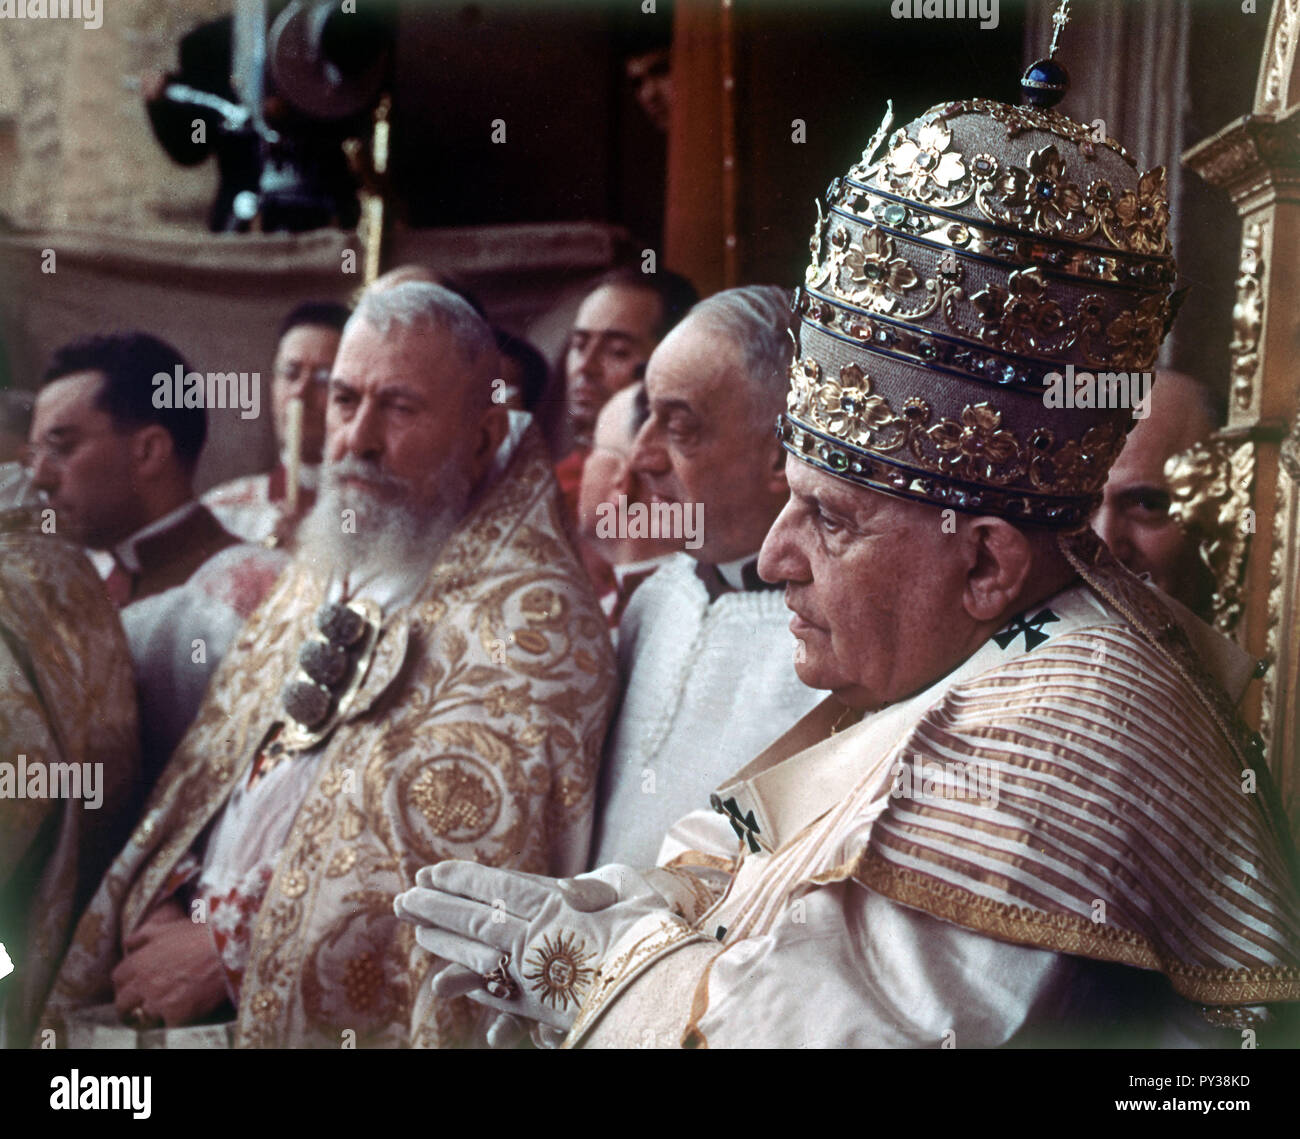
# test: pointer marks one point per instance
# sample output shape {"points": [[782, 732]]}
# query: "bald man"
{"points": [[1134, 519], [618, 562]]}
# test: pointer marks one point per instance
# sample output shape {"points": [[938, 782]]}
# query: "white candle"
{"points": [[293, 445]]}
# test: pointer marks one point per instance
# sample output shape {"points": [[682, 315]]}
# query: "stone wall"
{"points": [[83, 155]]}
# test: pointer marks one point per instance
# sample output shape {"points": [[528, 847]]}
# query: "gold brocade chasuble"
{"points": [[1080, 785], [476, 734], [67, 698]]}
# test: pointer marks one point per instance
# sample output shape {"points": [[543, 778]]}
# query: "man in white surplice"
{"points": [[704, 646]]}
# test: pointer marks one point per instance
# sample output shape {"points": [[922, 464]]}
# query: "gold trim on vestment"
{"points": [[616, 974], [1066, 933]]}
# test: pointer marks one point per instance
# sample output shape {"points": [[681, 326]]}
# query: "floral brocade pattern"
{"points": [[1022, 317], [68, 697], [482, 744], [1033, 189], [968, 262], [973, 447]]}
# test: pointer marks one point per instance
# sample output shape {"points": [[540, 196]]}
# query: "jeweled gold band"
{"points": [[1025, 312], [847, 462], [927, 350], [856, 202]]}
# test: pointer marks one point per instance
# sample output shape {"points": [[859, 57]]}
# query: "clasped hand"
{"points": [[171, 972], [537, 942]]}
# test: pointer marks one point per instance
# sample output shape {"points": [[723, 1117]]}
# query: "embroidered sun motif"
{"points": [[559, 971]]}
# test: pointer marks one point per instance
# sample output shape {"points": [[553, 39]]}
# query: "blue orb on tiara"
{"points": [[1044, 83]]}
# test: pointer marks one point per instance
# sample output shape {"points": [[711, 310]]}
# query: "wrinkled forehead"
{"points": [[862, 502], [698, 363], [422, 355]]}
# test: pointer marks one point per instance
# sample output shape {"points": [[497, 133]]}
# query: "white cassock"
{"points": [[708, 684], [251, 506], [1052, 844], [179, 637]]}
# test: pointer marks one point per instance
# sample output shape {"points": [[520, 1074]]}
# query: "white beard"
{"points": [[394, 535]]}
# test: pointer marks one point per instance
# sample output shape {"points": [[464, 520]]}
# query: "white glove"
{"points": [[525, 945]]}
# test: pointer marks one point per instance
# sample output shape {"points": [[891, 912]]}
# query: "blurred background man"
{"points": [[1134, 519], [256, 507], [624, 560], [649, 71], [15, 424], [118, 471], [119, 475], [617, 327]]}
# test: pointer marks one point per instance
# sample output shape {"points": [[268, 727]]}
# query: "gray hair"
{"points": [[756, 318], [415, 303]]}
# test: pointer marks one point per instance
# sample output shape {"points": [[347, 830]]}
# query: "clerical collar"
{"points": [[308, 473], [718, 579], [126, 553], [733, 573], [630, 569]]}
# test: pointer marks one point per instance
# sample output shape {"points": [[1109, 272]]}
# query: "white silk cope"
{"points": [[854, 916]]}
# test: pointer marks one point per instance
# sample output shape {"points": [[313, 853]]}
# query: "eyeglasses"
{"points": [[289, 373], [58, 452]]}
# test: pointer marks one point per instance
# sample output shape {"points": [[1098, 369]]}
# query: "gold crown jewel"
{"points": [[965, 258]]}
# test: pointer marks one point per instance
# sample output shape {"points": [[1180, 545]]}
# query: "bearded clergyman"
{"points": [[429, 679], [1027, 812]]}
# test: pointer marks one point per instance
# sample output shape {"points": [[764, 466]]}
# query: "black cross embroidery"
{"points": [[745, 826], [1032, 629]]}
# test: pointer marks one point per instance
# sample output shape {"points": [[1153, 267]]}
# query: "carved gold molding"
{"points": [[1255, 153], [1279, 56], [1248, 315], [1210, 493], [1281, 578]]}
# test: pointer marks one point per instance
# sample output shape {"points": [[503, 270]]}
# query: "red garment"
{"points": [[120, 584], [568, 473], [230, 919]]}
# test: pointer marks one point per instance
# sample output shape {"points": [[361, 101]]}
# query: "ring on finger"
{"points": [[499, 983]]}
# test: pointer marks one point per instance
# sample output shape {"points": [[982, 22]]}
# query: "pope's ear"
{"points": [[1001, 558]]}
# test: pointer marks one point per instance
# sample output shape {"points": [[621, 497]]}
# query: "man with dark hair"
{"points": [[1134, 519], [617, 327], [117, 470], [523, 370], [267, 506], [647, 51]]}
